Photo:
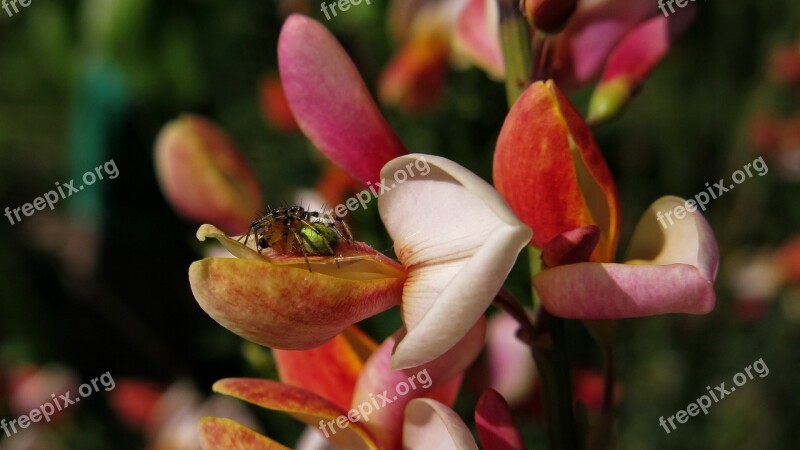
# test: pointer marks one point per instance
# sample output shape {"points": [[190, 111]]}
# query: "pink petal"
{"points": [[672, 271], [431, 425], [477, 36], [457, 238], [495, 423], [402, 386], [597, 26], [632, 61], [330, 101]]}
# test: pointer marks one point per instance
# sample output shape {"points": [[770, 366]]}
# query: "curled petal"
{"points": [[458, 240], [281, 304], [300, 404], [402, 386], [330, 101], [551, 172], [632, 61], [203, 175], [225, 434], [672, 271], [477, 36], [330, 370], [495, 423], [430, 424]]}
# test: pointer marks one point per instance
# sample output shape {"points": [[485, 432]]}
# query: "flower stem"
{"points": [[515, 40], [547, 341]]}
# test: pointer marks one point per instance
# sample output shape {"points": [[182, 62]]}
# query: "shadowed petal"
{"points": [[300, 404], [549, 169], [672, 271], [457, 239], [281, 304], [429, 424], [225, 434], [415, 77], [330, 370], [330, 101], [495, 423], [203, 175]]}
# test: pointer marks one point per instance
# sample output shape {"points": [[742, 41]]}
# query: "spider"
{"points": [[296, 230]]}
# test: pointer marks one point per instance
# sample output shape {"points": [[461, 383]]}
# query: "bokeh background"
{"points": [[100, 283]]}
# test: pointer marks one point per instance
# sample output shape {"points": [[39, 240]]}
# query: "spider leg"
{"points": [[302, 248]]}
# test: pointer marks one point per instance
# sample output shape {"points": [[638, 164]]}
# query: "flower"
{"points": [[455, 238], [668, 270], [445, 279]]}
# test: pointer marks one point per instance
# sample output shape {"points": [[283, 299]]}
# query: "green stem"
{"points": [[515, 40]]}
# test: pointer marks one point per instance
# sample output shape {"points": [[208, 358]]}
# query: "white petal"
{"points": [[457, 239]]}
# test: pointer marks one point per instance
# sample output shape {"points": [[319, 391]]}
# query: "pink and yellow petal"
{"points": [[281, 304], [458, 240], [225, 434], [672, 270], [203, 176], [330, 101], [300, 404], [549, 169], [429, 424]]}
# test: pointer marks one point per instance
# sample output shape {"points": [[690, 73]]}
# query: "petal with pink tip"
{"points": [[282, 304], [330, 370], [458, 240], [672, 270], [402, 386], [430, 424], [495, 423], [330, 101], [300, 404], [225, 434], [477, 36]]}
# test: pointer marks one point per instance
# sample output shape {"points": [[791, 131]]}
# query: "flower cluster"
{"points": [[456, 237]]}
